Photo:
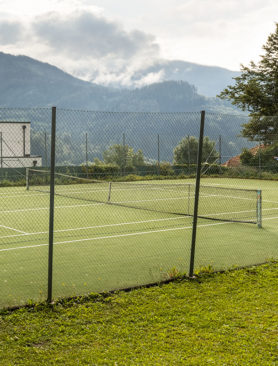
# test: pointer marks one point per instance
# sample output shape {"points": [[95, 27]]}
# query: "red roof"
{"points": [[235, 160]]}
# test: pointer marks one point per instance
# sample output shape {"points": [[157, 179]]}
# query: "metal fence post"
{"points": [[220, 149], [259, 208], [86, 148], [27, 179], [197, 190], [188, 151], [158, 155], [51, 207], [45, 149], [1, 149], [124, 162]]}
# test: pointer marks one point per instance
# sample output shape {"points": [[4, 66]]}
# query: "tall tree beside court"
{"points": [[256, 91], [123, 156], [187, 150]]}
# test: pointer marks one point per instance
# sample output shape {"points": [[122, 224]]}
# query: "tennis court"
{"points": [[115, 236]]}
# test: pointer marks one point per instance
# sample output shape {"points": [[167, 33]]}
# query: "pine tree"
{"points": [[256, 91]]}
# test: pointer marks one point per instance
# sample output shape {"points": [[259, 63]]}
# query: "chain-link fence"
{"points": [[125, 199]]}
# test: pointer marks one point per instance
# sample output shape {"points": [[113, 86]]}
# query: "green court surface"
{"points": [[142, 235]]}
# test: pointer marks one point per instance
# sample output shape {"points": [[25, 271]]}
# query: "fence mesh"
{"points": [[124, 199], [24, 219]]}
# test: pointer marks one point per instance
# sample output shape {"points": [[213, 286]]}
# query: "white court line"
{"points": [[270, 209], [119, 202], [113, 236], [269, 201], [130, 187], [96, 226], [47, 208], [123, 235], [129, 223], [124, 223], [11, 228], [89, 204]]}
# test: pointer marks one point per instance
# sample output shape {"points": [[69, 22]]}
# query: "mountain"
{"points": [[25, 82], [209, 80]]}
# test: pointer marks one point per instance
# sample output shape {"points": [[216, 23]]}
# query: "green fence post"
{"points": [[86, 157], [51, 207], [45, 149], [197, 190], [158, 154], [259, 208]]}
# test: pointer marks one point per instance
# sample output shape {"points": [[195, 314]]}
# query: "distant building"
{"points": [[235, 160], [15, 146]]}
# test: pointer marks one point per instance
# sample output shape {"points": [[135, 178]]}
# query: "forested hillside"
{"points": [[27, 83]]}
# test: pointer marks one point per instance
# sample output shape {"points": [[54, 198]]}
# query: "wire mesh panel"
{"points": [[24, 215], [216, 203], [120, 234], [124, 187], [236, 171]]}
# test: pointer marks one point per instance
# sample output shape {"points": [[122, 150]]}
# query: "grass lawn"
{"points": [[101, 247], [220, 319]]}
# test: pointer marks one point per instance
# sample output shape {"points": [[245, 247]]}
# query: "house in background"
{"points": [[15, 146], [235, 160]]}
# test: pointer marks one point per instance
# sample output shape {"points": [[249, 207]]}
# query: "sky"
{"points": [[109, 41]]}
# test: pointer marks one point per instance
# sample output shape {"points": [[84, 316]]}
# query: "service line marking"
{"points": [[11, 228]]}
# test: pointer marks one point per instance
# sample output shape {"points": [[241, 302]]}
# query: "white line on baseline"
{"points": [[96, 226], [11, 228], [123, 235], [113, 236]]}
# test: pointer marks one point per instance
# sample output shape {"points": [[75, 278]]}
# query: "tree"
{"points": [[123, 156], [256, 91], [264, 158], [247, 158], [138, 158], [187, 150]]}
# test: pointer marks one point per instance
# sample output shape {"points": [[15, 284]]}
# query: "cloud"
{"points": [[84, 34], [76, 36], [83, 43], [11, 32]]}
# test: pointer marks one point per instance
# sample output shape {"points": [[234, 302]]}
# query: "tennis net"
{"points": [[215, 202]]}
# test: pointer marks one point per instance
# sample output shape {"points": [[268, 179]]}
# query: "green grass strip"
{"points": [[220, 319]]}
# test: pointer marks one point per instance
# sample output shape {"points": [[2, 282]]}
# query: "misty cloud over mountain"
{"points": [[11, 32], [87, 35], [94, 48]]}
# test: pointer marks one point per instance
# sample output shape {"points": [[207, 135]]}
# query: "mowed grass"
{"points": [[220, 319], [100, 247]]}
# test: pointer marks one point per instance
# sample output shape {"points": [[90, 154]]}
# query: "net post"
{"points": [[197, 190], [51, 207], [259, 208], [109, 192], [27, 179]]}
